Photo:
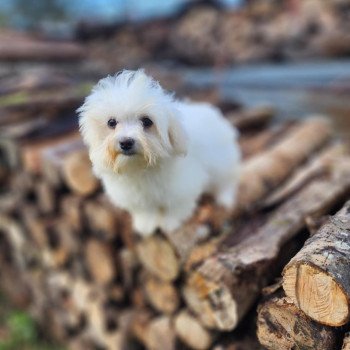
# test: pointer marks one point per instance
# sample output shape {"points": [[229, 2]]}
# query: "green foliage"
{"points": [[21, 333], [13, 99]]}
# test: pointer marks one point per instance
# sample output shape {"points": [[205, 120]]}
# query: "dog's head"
{"points": [[129, 122]]}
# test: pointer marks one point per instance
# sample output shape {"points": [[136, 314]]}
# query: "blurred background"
{"points": [[293, 55]]}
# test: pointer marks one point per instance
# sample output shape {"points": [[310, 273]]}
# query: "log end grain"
{"points": [[317, 294], [191, 332], [158, 257], [78, 174]]}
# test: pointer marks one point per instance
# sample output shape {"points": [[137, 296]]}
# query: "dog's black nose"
{"points": [[127, 144]]}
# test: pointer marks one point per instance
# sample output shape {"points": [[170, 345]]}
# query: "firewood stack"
{"points": [[94, 284], [313, 309]]}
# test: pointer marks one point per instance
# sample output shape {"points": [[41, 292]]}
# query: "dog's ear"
{"points": [[177, 137]]}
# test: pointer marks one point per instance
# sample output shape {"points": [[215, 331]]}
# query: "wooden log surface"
{"points": [[346, 342], [32, 152], [78, 175], [269, 169], [222, 289], [52, 158], [283, 326], [257, 117], [102, 218], [100, 261], [161, 334], [315, 167], [163, 296], [255, 142], [16, 46], [191, 332], [159, 258], [317, 279]]}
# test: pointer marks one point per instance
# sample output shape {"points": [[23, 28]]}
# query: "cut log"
{"points": [[53, 158], [20, 111], [139, 326], [32, 152], [191, 332], [161, 335], [22, 47], [346, 342], [159, 258], [208, 220], [264, 172], [283, 326], [34, 226], [100, 261], [251, 118], [317, 166], [128, 265], [162, 296], [222, 289], [256, 142], [77, 173], [317, 279], [71, 209], [46, 197], [9, 202], [102, 219]]}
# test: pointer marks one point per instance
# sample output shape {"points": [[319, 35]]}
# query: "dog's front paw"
{"points": [[226, 197], [145, 225]]}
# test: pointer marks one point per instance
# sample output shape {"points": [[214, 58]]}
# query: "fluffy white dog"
{"points": [[156, 155]]}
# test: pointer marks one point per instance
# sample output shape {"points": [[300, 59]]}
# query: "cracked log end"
{"points": [[317, 294], [318, 277]]}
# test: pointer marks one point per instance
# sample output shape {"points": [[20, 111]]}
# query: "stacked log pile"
{"points": [[201, 34], [15, 46], [313, 309], [263, 30], [204, 34], [92, 283]]}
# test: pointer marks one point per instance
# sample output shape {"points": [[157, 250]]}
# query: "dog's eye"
{"points": [[146, 122], [112, 123]]}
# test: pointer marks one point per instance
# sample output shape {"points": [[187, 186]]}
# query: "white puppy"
{"points": [[155, 155]]}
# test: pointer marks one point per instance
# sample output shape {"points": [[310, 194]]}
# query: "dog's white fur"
{"points": [[189, 150]]}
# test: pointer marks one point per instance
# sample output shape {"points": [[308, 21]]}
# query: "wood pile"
{"points": [[201, 34], [263, 30], [16, 46], [93, 284], [313, 310]]}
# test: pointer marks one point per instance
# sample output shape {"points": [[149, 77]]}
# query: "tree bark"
{"points": [[346, 342], [283, 326]]}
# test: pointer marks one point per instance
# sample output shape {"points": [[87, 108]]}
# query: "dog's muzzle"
{"points": [[127, 146]]}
